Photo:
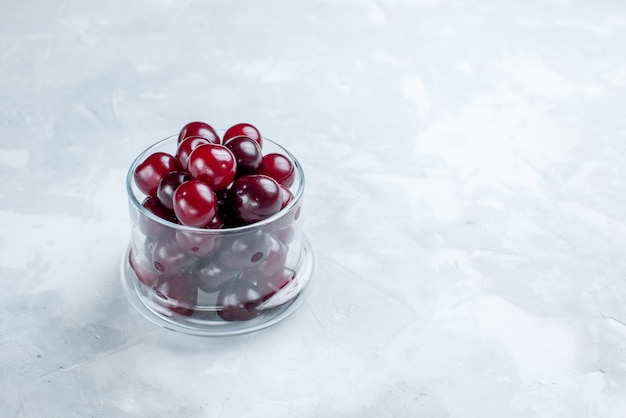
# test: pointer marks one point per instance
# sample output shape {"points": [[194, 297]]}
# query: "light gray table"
{"points": [[466, 201]]}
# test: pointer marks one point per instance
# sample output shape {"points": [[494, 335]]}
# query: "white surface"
{"points": [[466, 179]]}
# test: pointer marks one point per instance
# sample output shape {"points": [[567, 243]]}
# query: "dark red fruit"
{"points": [[186, 147], [142, 253], [211, 274], [149, 173], [213, 164], [201, 129], [155, 206], [271, 265], [247, 152], [255, 197], [167, 257], [239, 301], [244, 251], [278, 167], [243, 129], [145, 276], [195, 203], [196, 244], [151, 228], [176, 293], [217, 222], [287, 195], [168, 185]]}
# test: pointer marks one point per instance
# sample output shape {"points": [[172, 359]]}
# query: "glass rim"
{"points": [[297, 194]]}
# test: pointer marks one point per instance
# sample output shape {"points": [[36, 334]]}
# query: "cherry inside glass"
{"points": [[216, 282]]}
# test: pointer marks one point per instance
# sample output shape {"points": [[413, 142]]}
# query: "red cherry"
{"points": [[218, 222], [278, 167], [149, 173], [239, 301], [150, 228], [186, 147], [141, 259], [211, 274], [201, 129], [145, 276], [287, 195], [244, 251], [243, 129], [247, 152], [213, 164], [175, 293], [167, 257], [168, 185], [270, 266], [196, 244], [155, 206], [255, 197], [194, 203]]}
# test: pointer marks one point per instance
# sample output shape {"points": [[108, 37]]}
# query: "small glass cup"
{"points": [[216, 282]]}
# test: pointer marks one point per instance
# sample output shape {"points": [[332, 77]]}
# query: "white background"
{"points": [[466, 202]]}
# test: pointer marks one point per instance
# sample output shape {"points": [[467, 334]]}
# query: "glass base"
{"points": [[205, 320]]}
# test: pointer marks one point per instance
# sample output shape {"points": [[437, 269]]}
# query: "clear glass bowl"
{"points": [[216, 282]]}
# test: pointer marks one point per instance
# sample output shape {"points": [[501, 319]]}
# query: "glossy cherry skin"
{"points": [[247, 152], [243, 129], [195, 244], [176, 293], [195, 203], [201, 129], [146, 276], [271, 265], [278, 167], [239, 301], [287, 195], [213, 164], [211, 274], [167, 257], [168, 185], [155, 206], [142, 253], [149, 172], [255, 197], [151, 228], [217, 222], [244, 251], [185, 148]]}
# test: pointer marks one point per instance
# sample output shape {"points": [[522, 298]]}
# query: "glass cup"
{"points": [[215, 282]]}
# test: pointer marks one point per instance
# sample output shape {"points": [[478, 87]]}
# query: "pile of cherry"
{"points": [[214, 183]]}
